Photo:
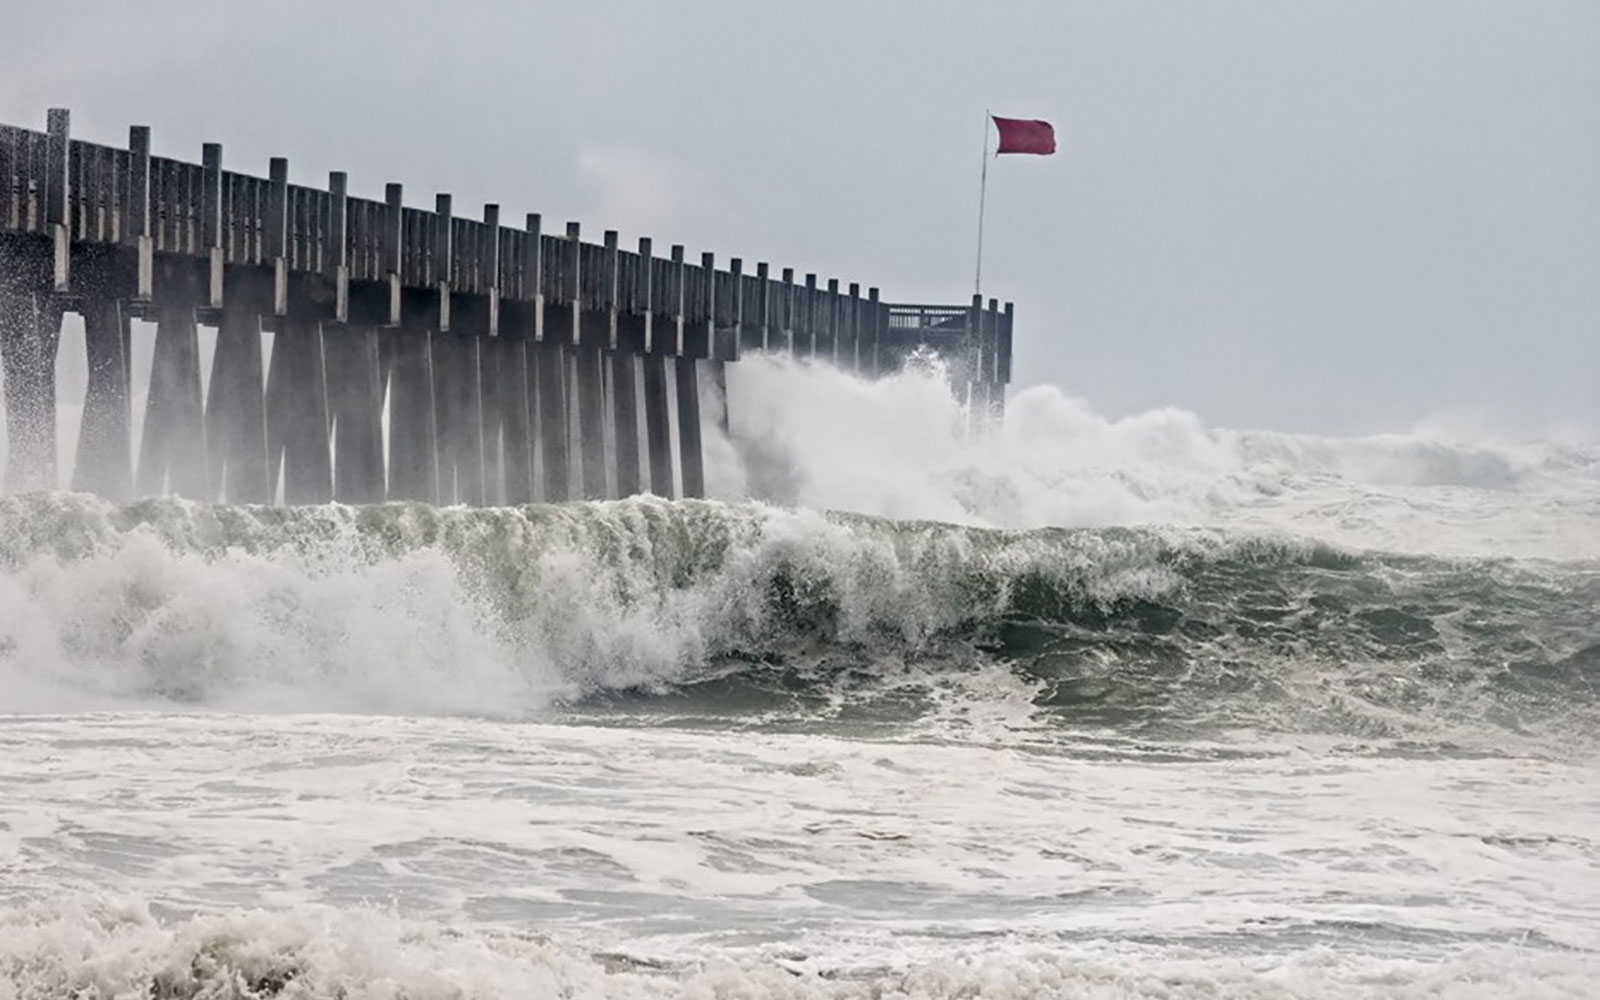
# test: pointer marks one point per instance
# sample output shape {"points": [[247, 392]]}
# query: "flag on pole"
{"points": [[1017, 135], [1025, 135]]}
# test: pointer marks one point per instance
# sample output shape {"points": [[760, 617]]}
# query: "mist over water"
{"points": [[1072, 706], [813, 436]]}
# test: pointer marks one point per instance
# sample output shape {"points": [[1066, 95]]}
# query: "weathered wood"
{"points": [[104, 464]]}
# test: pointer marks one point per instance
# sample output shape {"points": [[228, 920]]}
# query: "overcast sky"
{"points": [[1340, 216]]}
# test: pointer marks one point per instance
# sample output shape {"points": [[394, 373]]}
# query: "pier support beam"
{"points": [[297, 413], [625, 418], [690, 458], [104, 461], [413, 469], [356, 399], [172, 450], [657, 424], [458, 404], [509, 424], [30, 331], [550, 363], [589, 375], [236, 414]]}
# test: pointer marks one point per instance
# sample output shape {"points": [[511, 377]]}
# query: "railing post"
{"points": [[872, 336], [806, 335], [572, 281], [58, 193], [136, 226], [443, 251], [1003, 360], [336, 255], [727, 349], [277, 232], [677, 298], [624, 372], [550, 367], [850, 330], [763, 305], [489, 256], [657, 418], [393, 246], [413, 458], [700, 334], [211, 221], [533, 273], [786, 314], [828, 337], [588, 372]]}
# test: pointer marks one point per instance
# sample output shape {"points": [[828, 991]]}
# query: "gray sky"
{"points": [[1340, 216]]}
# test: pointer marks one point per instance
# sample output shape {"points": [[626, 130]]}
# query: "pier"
{"points": [[414, 353]]}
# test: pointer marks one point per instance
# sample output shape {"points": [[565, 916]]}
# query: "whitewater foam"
{"points": [[313, 954], [1138, 709], [900, 447], [304, 856], [510, 612]]}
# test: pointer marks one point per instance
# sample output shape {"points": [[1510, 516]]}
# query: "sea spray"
{"points": [[811, 435], [509, 611]]}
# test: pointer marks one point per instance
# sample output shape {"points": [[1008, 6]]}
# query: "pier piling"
{"points": [[415, 354]]}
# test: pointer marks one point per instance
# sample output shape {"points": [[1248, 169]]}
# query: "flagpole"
{"points": [[983, 190]]}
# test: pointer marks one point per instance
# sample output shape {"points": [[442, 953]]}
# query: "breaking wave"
{"points": [[810, 435], [414, 609], [316, 952]]}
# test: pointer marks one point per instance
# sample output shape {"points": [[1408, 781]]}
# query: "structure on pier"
{"points": [[513, 364]]}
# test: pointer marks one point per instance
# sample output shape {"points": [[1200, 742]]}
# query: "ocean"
{"points": [[1072, 707]]}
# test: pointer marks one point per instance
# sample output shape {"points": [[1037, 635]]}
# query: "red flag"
{"points": [[1025, 135]]}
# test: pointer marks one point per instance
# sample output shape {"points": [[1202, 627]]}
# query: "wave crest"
{"points": [[413, 609]]}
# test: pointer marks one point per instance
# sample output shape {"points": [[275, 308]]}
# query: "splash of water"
{"points": [[810, 435]]}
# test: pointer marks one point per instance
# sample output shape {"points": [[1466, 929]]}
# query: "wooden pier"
{"points": [[513, 364]]}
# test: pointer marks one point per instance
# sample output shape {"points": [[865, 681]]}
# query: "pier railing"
{"points": [[417, 354]]}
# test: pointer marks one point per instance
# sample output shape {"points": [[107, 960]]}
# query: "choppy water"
{"points": [[1085, 708]]}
